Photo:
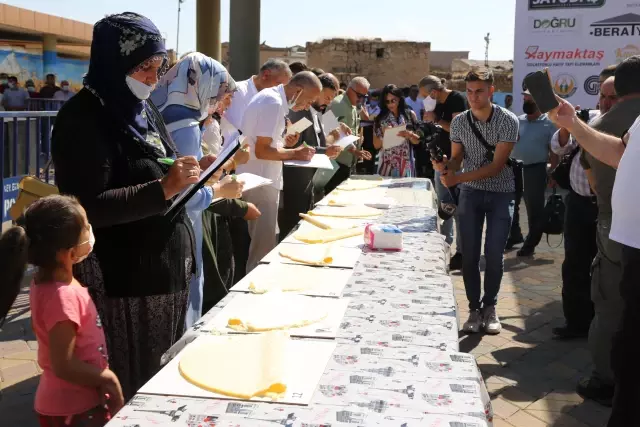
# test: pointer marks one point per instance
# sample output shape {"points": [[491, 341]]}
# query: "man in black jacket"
{"points": [[298, 189]]}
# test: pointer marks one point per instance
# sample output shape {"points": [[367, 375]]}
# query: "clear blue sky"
{"points": [[447, 24]]}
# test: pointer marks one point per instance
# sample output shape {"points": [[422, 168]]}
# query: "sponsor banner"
{"points": [[565, 4], [593, 34]]}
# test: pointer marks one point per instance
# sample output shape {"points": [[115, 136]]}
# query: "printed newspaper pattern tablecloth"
{"points": [[396, 363]]}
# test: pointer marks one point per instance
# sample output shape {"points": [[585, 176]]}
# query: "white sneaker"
{"points": [[491, 321], [472, 325]]}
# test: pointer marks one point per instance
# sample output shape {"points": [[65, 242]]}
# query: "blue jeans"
{"points": [[474, 206], [446, 229]]}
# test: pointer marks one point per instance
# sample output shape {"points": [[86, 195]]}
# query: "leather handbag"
{"points": [[30, 189], [561, 174]]}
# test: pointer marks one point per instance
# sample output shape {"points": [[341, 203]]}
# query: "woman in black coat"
{"points": [[107, 147]]}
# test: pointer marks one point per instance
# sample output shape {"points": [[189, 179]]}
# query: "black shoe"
{"points": [[456, 262], [591, 388], [567, 333], [525, 251], [514, 241]]}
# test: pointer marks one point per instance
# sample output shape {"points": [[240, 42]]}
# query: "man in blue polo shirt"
{"points": [[534, 150]]}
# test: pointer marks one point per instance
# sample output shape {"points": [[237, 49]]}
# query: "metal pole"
{"points": [[178, 32]]}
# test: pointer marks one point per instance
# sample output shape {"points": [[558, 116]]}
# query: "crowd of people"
{"points": [[489, 148], [14, 97], [118, 281]]}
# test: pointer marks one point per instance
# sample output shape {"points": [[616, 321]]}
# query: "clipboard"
{"points": [[228, 150]]}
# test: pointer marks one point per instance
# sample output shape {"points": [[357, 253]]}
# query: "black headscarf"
{"points": [[122, 44]]}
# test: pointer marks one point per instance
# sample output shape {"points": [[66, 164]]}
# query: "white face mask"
{"points": [[429, 103], [212, 138], [65, 88], [140, 90], [91, 242], [31, 89], [12, 85], [292, 103]]}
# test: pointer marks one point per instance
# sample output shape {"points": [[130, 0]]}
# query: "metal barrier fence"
{"points": [[25, 148], [42, 104]]}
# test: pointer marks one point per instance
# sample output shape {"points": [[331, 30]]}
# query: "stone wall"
{"points": [[381, 62], [503, 81]]}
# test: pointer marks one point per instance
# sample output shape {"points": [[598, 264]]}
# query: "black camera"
{"points": [[430, 135], [584, 115]]}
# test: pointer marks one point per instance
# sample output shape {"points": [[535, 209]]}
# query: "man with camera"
{"points": [[441, 106], [614, 280], [621, 151], [580, 224], [483, 138]]}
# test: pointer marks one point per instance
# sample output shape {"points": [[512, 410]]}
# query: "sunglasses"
{"points": [[360, 95]]}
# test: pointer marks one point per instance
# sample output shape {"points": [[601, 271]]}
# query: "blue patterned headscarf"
{"points": [[183, 95], [121, 45]]}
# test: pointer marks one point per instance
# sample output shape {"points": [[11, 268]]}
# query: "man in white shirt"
{"points": [[622, 153], [264, 126], [274, 72], [414, 100], [65, 93]]}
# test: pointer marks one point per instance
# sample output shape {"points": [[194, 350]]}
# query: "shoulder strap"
{"points": [[477, 133]]}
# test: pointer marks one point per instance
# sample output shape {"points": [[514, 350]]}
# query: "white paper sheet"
{"points": [[299, 126], [305, 361], [318, 161], [251, 182], [244, 305], [346, 140], [329, 122], [391, 138]]}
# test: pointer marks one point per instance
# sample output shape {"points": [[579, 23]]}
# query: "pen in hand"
{"points": [[166, 161]]}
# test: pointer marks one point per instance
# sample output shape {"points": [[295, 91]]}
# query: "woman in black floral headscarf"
{"points": [[107, 144]]}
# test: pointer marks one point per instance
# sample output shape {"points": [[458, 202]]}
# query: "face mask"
{"points": [[65, 88], [140, 90], [529, 107], [429, 103], [12, 85], [91, 242], [3, 81], [31, 89], [292, 103], [212, 138]]}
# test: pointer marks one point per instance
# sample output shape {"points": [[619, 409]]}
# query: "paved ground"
{"points": [[530, 376]]}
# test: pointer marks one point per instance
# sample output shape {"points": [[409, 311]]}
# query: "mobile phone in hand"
{"points": [[539, 86]]}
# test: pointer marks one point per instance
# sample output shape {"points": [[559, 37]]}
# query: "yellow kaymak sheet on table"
{"points": [[355, 185], [326, 236], [278, 311], [310, 255], [354, 211], [242, 366]]}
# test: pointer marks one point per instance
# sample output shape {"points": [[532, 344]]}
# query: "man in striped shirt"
{"points": [[482, 139]]}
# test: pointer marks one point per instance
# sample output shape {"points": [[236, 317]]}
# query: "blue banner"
{"points": [[9, 195]]}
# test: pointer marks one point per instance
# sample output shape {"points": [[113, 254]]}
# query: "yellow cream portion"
{"points": [[242, 366]]}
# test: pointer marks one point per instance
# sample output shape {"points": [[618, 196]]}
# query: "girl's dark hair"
{"points": [[47, 226], [384, 110]]}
